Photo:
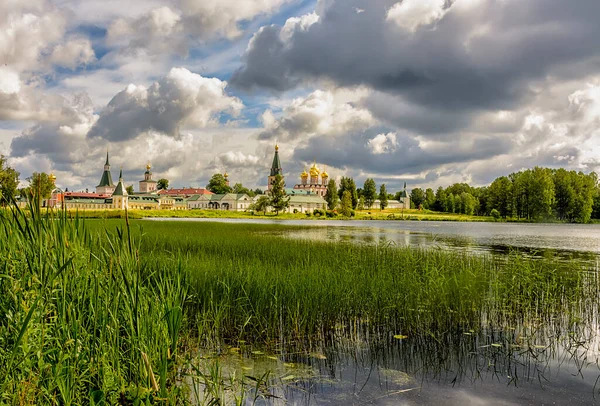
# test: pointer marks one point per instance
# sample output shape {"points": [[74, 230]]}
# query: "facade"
{"points": [[228, 201], [147, 185], [306, 203], [106, 185]]}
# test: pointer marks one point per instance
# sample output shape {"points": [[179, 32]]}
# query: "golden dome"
{"points": [[314, 170], [304, 174], [276, 147], [148, 166], [225, 175], [52, 178]]}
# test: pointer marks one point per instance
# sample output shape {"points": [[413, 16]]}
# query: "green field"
{"points": [[116, 312]]}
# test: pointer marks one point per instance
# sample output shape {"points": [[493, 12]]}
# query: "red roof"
{"points": [[84, 195], [184, 192]]}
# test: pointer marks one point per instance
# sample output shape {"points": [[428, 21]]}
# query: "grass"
{"points": [[374, 214], [116, 311]]}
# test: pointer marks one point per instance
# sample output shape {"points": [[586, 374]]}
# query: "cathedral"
{"points": [[316, 186]]}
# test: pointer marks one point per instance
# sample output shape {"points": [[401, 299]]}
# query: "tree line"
{"points": [[538, 194]]}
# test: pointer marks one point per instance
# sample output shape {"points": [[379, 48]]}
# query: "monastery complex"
{"points": [[304, 196]]}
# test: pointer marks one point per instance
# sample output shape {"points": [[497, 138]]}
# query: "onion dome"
{"points": [[304, 174], [314, 171], [52, 178], [225, 175], [276, 147], [148, 166], [324, 174]]}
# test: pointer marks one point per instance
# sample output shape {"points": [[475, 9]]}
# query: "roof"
{"points": [[276, 165], [86, 201], [120, 189], [184, 192], [106, 179], [83, 195], [220, 197], [299, 199]]}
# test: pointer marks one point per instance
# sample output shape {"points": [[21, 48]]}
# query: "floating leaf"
{"points": [[496, 345], [400, 337]]}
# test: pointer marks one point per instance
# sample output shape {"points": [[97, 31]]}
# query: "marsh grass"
{"points": [[117, 311]]}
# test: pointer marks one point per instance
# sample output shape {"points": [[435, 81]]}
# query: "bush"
{"points": [[308, 214], [495, 214], [352, 213], [331, 213], [295, 211], [318, 212]]}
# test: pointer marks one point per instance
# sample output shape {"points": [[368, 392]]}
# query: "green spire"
{"points": [[120, 189], [276, 166], [106, 179]]}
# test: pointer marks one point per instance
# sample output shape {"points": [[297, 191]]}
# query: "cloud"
{"points": [[181, 98], [320, 113], [73, 53], [173, 28], [481, 55], [412, 14], [382, 143]]}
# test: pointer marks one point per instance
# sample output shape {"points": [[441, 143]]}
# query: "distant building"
{"points": [[315, 185], [228, 201], [147, 185], [106, 185], [184, 192]]}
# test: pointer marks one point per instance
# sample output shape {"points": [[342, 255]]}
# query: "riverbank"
{"points": [[392, 215]]}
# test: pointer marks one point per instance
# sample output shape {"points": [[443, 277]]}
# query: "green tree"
{"points": [[349, 185], [239, 189], [440, 199], [331, 196], [218, 185], [500, 197], [361, 203], [130, 190], [346, 206], [383, 197], [417, 197], [369, 192], [261, 204], [279, 201], [162, 184], [40, 186], [429, 202], [9, 181]]}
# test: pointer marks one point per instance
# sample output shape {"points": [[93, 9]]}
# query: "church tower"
{"points": [[106, 185], [147, 185], [275, 168], [120, 197]]}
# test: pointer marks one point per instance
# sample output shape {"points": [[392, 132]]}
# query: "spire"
{"points": [[404, 184], [107, 164], [106, 179], [120, 189], [276, 166]]}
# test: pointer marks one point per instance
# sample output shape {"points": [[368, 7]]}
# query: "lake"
{"points": [[569, 241], [520, 360]]}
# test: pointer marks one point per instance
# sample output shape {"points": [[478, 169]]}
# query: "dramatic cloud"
{"points": [[171, 29], [181, 98], [481, 54], [319, 113], [75, 52]]}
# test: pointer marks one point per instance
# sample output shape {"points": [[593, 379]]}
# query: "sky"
{"points": [[430, 92]]}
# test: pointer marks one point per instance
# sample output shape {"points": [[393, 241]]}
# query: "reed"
{"points": [[116, 311]]}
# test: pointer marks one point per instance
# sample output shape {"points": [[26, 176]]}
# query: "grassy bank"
{"points": [[388, 214], [99, 312]]}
